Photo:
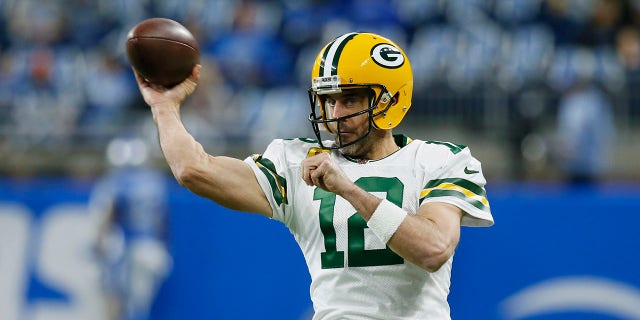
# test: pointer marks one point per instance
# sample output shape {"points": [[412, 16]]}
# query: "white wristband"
{"points": [[385, 220]]}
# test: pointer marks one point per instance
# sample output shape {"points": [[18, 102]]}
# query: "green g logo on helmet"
{"points": [[387, 56]]}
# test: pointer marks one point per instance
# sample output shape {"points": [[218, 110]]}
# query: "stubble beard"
{"points": [[354, 150], [359, 149]]}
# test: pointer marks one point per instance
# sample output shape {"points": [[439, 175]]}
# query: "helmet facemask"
{"points": [[321, 120]]}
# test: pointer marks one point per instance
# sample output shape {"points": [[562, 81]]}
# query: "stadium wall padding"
{"points": [[555, 252]]}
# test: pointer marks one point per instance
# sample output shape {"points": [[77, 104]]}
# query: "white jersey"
{"points": [[354, 275]]}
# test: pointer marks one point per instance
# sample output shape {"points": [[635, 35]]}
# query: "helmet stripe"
{"points": [[332, 54], [324, 59]]}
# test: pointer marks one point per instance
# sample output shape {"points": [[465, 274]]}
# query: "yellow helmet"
{"points": [[362, 60]]}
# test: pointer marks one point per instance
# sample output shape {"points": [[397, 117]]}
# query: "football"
{"points": [[162, 51]]}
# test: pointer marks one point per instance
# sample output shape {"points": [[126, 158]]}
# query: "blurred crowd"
{"points": [[506, 67]]}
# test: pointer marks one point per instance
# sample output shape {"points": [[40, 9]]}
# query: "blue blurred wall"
{"points": [[569, 253]]}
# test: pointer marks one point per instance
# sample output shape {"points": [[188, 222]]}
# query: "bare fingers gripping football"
{"points": [[158, 96]]}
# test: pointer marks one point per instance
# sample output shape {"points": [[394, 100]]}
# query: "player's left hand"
{"points": [[321, 171]]}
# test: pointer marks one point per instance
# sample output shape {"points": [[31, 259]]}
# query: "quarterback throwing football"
{"points": [[376, 215]]}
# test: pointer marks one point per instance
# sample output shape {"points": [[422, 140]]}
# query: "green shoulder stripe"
{"points": [[307, 140], [459, 188], [277, 182], [457, 181], [455, 148], [401, 140]]}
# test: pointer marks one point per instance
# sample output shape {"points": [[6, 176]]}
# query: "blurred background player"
{"points": [[131, 207]]}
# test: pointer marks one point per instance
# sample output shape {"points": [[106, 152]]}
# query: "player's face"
{"points": [[349, 129]]}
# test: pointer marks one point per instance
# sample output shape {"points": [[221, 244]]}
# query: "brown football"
{"points": [[162, 51]]}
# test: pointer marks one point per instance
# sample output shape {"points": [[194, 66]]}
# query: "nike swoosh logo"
{"points": [[467, 171]]}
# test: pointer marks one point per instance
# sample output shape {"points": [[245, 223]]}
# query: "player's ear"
{"points": [[394, 100]]}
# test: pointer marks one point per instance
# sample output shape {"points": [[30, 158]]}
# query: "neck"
{"points": [[387, 147]]}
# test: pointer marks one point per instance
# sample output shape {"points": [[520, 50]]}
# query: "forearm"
{"points": [[423, 242], [426, 239], [181, 151], [227, 181], [364, 202]]}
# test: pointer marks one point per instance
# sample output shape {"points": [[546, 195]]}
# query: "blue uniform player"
{"points": [[131, 206]]}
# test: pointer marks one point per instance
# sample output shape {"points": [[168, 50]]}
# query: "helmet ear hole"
{"points": [[385, 101], [394, 100], [386, 98]]}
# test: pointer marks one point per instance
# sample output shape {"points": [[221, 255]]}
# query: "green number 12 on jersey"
{"points": [[358, 255]]}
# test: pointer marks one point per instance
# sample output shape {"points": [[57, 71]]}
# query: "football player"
{"points": [[131, 208], [376, 215]]}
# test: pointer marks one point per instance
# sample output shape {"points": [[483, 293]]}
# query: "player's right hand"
{"points": [[321, 171], [159, 96]]}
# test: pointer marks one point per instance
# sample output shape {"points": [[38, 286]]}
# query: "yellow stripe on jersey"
{"points": [[278, 183], [451, 186], [316, 150], [459, 188]]}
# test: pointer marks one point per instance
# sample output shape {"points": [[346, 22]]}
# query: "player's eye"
{"points": [[352, 101], [330, 103]]}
